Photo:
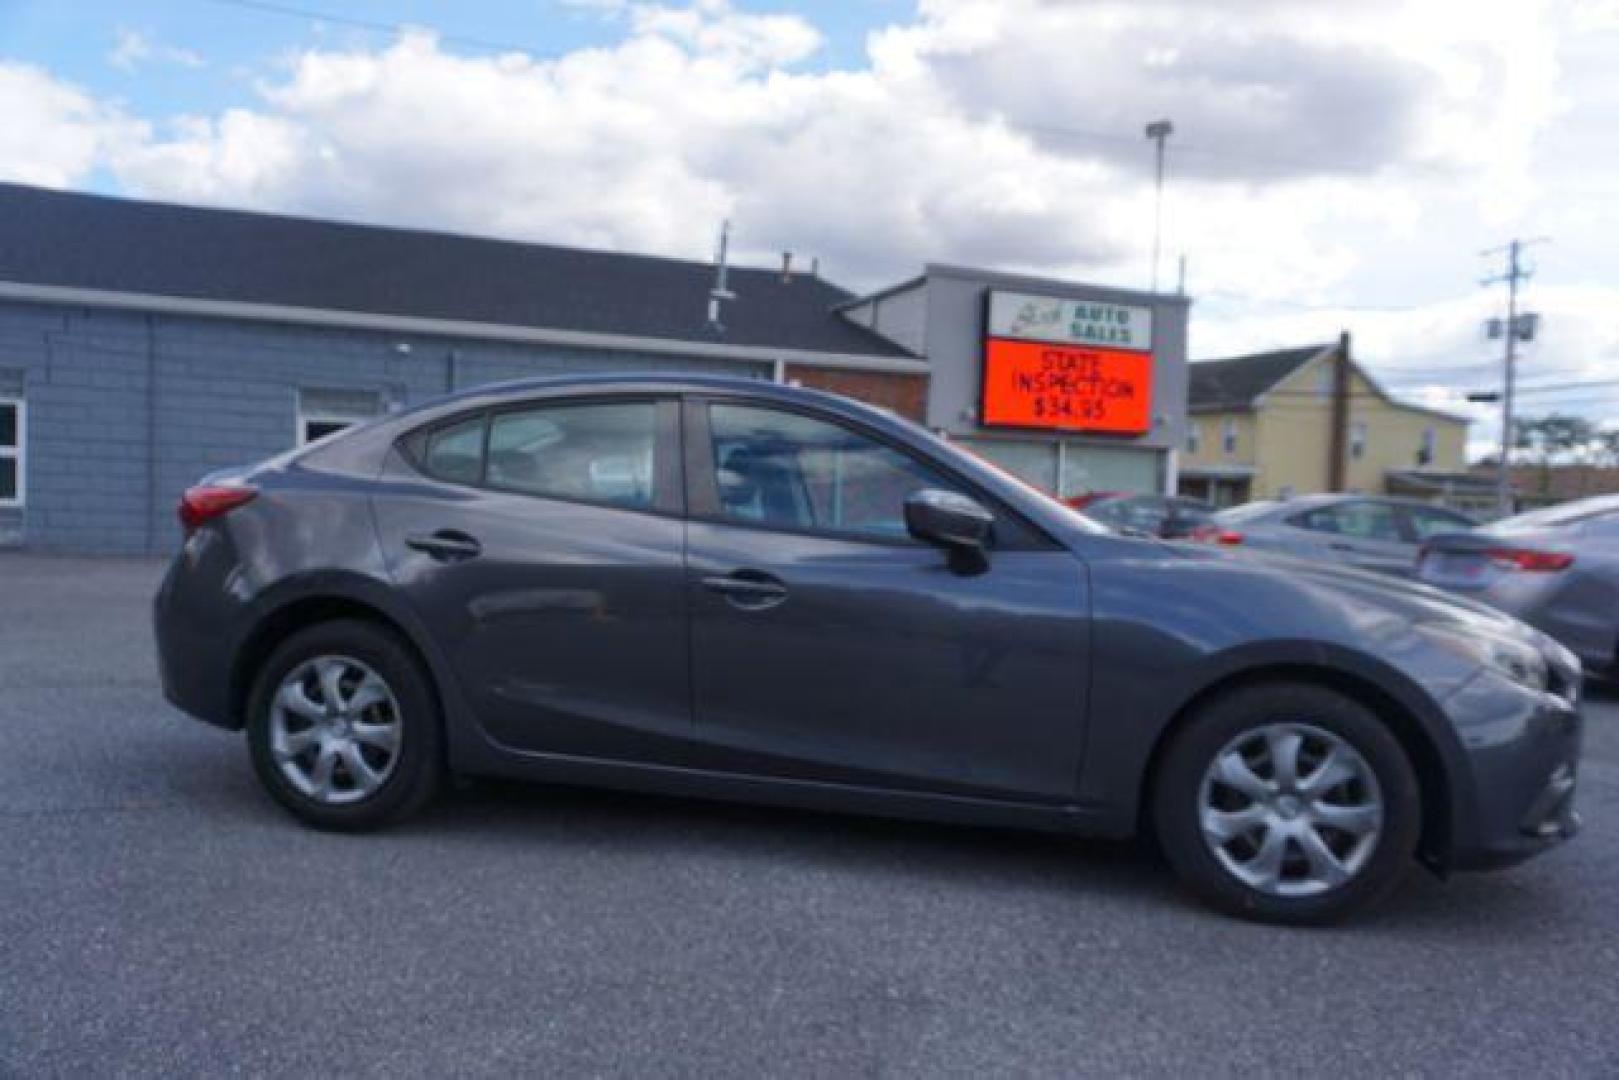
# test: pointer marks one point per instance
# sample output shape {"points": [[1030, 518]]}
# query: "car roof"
{"points": [[1334, 498], [655, 382]]}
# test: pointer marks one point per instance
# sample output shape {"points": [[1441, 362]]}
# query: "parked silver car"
{"points": [[1556, 569], [1369, 532]]}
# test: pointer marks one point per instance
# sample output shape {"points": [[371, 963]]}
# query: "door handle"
{"points": [[446, 545], [1338, 545], [747, 589]]}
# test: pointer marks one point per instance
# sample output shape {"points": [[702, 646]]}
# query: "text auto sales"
{"points": [[1102, 324]]}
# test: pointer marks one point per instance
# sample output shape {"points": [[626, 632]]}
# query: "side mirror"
{"points": [[954, 522]]}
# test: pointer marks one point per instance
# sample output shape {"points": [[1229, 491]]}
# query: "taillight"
{"points": [[201, 504], [1213, 534], [1529, 559]]}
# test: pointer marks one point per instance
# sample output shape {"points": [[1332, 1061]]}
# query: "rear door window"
{"points": [[598, 452], [1356, 520]]}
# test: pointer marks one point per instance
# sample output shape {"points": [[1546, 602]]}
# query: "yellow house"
{"points": [[1296, 421]]}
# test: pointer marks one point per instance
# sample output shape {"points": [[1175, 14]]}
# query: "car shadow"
{"points": [[498, 812], [504, 816], [1464, 908]]}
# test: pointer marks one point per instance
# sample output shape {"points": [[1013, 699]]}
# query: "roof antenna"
{"points": [[719, 292]]}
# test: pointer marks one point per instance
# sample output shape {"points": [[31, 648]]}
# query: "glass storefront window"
{"points": [[1033, 462], [1087, 467]]}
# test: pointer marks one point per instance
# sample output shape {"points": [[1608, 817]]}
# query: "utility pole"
{"points": [[1516, 328], [1158, 131], [1338, 435]]}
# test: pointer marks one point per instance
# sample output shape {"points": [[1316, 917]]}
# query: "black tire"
{"points": [[417, 771], [1178, 790]]}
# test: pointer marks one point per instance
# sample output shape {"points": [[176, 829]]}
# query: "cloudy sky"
{"points": [[1334, 166]]}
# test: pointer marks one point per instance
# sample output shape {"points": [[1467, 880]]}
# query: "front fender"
{"points": [[1135, 717]]}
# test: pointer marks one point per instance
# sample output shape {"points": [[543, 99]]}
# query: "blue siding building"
{"points": [[143, 345]]}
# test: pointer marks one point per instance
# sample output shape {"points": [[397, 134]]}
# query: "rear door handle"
{"points": [[747, 589], [446, 545]]}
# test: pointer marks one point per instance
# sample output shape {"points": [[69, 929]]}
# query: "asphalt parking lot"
{"points": [[159, 916]]}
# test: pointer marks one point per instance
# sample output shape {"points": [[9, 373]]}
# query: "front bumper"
{"points": [[1521, 751]]}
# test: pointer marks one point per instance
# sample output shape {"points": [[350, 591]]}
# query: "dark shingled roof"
{"points": [[96, 242], [1235, 382]]}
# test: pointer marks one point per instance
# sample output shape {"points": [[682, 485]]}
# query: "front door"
{"points": [[541, 544], [828, 645]]}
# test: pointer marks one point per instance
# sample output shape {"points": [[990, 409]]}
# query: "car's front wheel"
{"points": [[343, 727], [1287, 803]]}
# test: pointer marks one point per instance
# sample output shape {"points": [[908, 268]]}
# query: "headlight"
{"points": [[1517, 660]]}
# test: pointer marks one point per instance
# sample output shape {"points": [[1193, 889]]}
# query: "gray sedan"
{"points": [[727, 589], [1368, 532], [1557, 569]]}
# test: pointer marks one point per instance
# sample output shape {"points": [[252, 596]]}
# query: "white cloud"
{"points": [[54, 134], [1327, 156], [132, 49]]}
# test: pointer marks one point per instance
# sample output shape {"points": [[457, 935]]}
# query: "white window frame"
{"points": [[302, 418], [1194, 438], [1228, 438], [1357, 440], [1428, 448], [17, 453], [305, 419]]}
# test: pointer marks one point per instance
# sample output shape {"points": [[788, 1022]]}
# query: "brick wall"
{"points": [[905, 394], [126, 410]]}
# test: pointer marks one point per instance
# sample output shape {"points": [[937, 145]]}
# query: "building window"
{"points": [[1425, 452], [1194, 438], [1357, 440], [326, 412], [1228, 437], [13, 421]]}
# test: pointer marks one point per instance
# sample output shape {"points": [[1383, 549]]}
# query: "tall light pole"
{"points": [[1158, 131]]}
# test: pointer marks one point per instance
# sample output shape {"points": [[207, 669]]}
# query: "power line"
{"points": [[266, 7]]}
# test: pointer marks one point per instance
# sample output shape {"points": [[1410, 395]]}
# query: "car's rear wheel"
{"points": [[1287, 803], [343, 728]]}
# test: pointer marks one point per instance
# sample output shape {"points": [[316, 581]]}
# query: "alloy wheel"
{"points": [[1290, 809], [334, 729]]}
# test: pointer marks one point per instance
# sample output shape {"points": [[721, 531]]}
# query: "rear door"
{"points": [[1364, 533], [828, 645], [541, 544]]}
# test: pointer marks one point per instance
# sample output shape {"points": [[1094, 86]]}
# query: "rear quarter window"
{"points": [[453, 453]]}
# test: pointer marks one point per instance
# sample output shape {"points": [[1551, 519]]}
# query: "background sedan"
{"points": [[1168, 517], [1557, 569], [1368, 532]]}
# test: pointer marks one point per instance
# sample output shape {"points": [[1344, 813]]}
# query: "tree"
{"points": [[1555, 437]]}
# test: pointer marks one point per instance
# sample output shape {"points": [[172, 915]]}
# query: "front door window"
{"points": [[796, 472]]}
